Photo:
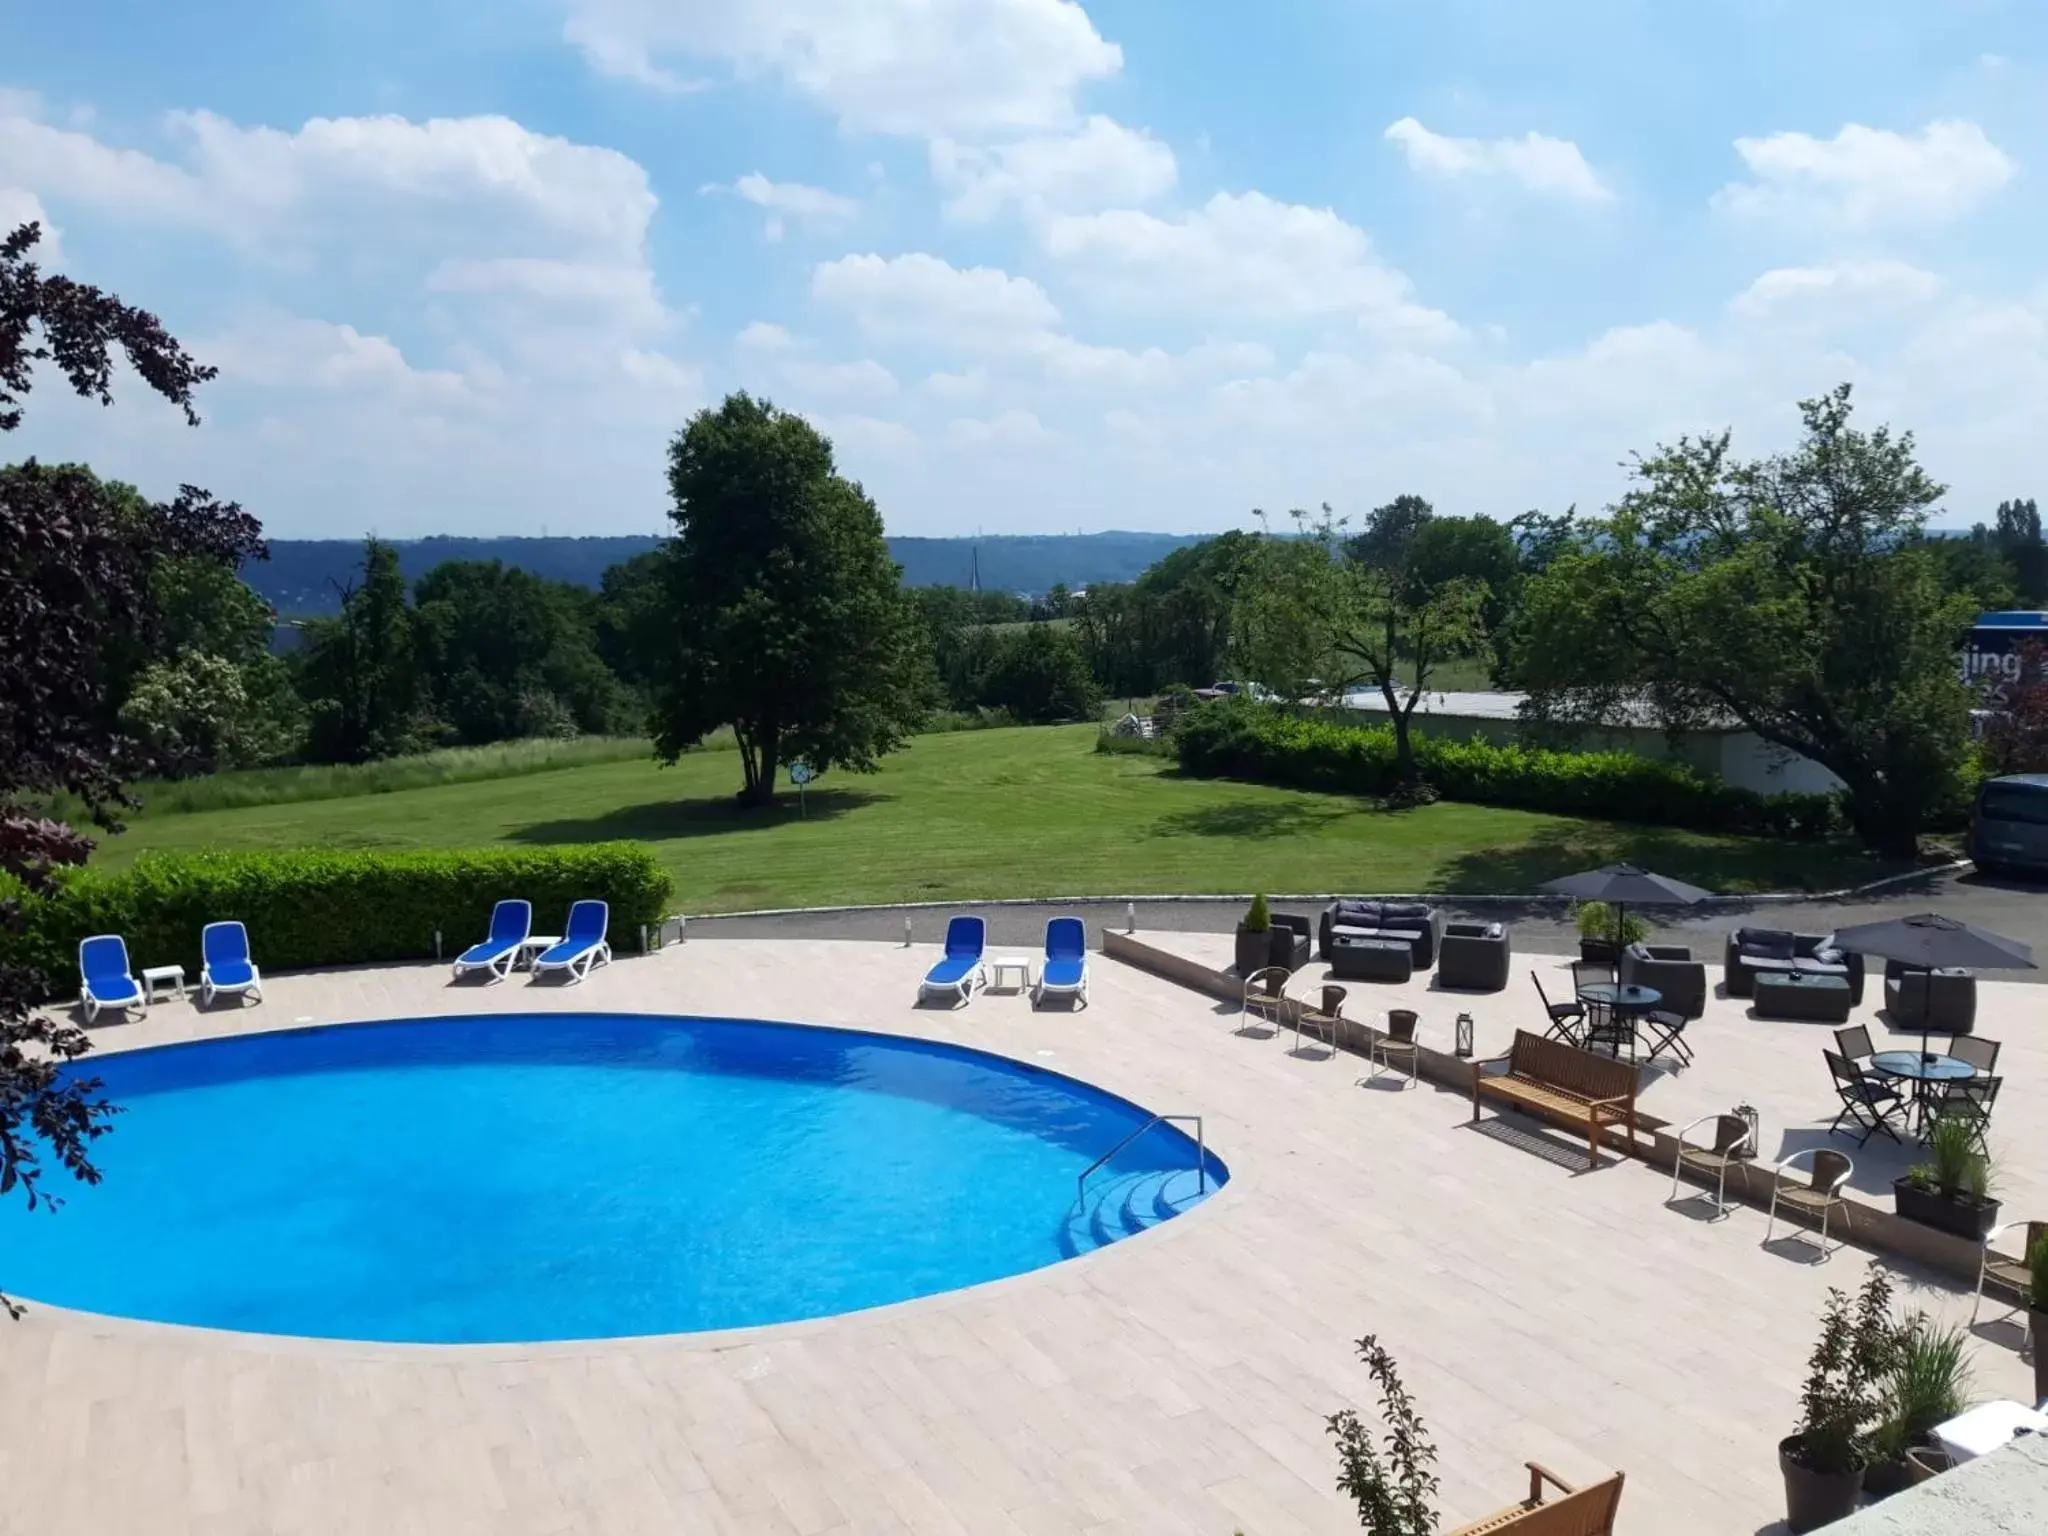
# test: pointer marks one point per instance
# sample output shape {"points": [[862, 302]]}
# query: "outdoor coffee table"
{"points": [[1371, 959], [161, 975], [1002, 965], [1802, 995], [1921, 1069], [1626, 1005]]}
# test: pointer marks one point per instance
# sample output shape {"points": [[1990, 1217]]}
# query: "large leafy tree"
{"points": [[1787, 594], [358, 672], [787, 618], [1326, 615], [504, 653], [75, 569]]}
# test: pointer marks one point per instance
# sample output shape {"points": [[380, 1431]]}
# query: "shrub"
{"points": [[1239, 739], [320, 907], [1846, 1377], [1258, 918], [1395, 1491]]}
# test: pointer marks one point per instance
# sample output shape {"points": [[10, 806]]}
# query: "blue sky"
{"points": [[1035, 266]]}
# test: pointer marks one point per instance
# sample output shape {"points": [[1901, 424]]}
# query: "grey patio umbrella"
{"points": [[1934, 942], [1623, 885]]}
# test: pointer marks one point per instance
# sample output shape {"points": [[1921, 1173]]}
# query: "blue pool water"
{"points": [[574, 1176]]}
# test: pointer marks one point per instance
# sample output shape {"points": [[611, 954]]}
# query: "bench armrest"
{"points": [[1539, 1475], [1619, 1098]]}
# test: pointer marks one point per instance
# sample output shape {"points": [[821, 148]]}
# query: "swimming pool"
{"points": [[519, 1177]]}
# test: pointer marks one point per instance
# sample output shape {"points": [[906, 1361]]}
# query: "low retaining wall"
{"points": [[1871, 1227]]}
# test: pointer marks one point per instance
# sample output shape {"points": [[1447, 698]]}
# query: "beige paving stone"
{"points": [[1174, 1382]]}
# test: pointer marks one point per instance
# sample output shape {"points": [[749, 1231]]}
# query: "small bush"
{"points": [[944, 722], [320, 907], [1107, 741], [1239, 739]]}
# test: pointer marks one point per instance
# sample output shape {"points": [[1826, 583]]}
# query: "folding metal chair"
{"points": [[1667, 1032], [1565, 1018], [1865, 1100], [1969, 1099]]}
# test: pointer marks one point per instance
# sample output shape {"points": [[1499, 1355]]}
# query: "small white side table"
{"points": [[161, 975], [1002, 965], [532, 948], [1985, 1428]]}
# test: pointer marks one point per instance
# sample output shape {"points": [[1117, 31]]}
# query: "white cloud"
{"points": [[918, 297], [764, 336], [18, 207], [417, 324], [894, 66], [1535, 162], [282, 351], [1102, 165], [1852, 293], [1241, 257], [1010, 429], [812, 207], [1868, 177]]}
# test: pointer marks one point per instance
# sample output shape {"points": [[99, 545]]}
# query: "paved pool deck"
{"points": [[1174, 1382]]}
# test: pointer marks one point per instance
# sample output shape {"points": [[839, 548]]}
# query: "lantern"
{"points": [[1464, 1045], [1747, 1114]]}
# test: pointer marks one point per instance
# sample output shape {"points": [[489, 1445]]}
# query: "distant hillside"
{"points": [[302, 575]]}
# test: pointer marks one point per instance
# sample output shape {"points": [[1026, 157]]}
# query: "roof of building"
{"points": [[1507, 707]]}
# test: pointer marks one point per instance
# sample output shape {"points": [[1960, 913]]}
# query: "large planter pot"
{"points": [[1882, 1479], [1599, 952], [1957, 1215], [2040, 1322], [1254, 949], [1814, 1499]]}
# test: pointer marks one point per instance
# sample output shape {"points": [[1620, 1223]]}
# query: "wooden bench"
{"points": [[1581, 1512], [1565, 1083]]}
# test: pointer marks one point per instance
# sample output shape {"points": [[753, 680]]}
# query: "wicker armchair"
{"points": [[1733, 1141], [1474, 957], [2008, 1274], [1671, 969], [1827, 1174]]}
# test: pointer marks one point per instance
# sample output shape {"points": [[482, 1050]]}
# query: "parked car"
{"points": [[2009, 823]]}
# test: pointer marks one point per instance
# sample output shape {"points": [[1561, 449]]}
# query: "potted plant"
{"points": [[1843, 1401], [1605, 933], [1930, 1384], [2037, 1314], [1951, 1191], [1255, 937]]}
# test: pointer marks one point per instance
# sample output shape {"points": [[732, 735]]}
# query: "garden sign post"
{"points": [[800, 774]]}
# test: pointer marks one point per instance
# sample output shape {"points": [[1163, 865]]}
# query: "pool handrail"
{"points": [[1201, 1155]]}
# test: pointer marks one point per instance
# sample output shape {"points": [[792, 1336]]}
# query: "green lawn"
{"points": [[1027, 812]]}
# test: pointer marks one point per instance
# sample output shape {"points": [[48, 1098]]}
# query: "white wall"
{"points": [[1750, 762]]}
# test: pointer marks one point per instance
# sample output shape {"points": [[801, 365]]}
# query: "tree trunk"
{"points": [[1404, 749], [757, 755]]}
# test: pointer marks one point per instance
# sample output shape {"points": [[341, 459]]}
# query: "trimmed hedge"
{"points": [[1238, 739], [320, 907]]}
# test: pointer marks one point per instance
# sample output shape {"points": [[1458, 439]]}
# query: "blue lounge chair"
{"points": [[225, 967], [960, 972], [583, 946], [1065, 972], [103, 979], [511, 922]]}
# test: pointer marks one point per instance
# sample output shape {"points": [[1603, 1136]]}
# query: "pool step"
{"points": [[1125, 1204]]}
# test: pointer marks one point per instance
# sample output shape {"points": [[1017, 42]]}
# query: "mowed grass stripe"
{"points": [[978, 814]]}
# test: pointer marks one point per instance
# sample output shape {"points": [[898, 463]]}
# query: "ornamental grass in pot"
{"points": [[1255, 937], [1604, 933], [1843, 1403], [1951, 1191], [1929, 1385], [2037, 1313]]}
